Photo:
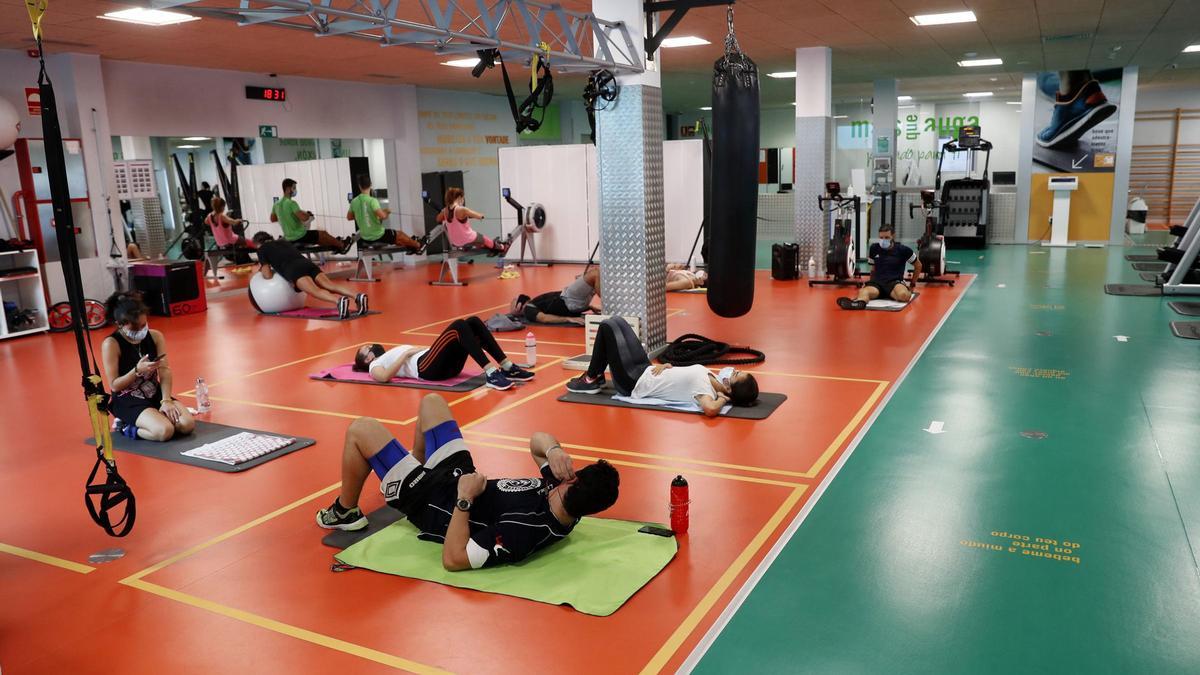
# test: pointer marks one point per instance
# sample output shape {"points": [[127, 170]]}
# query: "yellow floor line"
{"points": [[443, 322], [45, 559], [284, 365], [664, 654], [837, 443], [307, 411]]}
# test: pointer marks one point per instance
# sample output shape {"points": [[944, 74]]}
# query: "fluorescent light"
{"points": [[149, 17], [975, 63], [904, 98], [1013, 102], [942, 19], [188, 147], [978, 94], [905, 107], [840, 117], [197, 138], [707, 107], [685, 41], [783, 75], [462, 63], [1191, 48]]}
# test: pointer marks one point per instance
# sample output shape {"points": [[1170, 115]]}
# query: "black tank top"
{"points": [[143, 386]]}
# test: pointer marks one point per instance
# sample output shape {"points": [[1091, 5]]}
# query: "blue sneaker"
{"points": [[128, 430], [1075, 116], [518, 374], [498, 380]]}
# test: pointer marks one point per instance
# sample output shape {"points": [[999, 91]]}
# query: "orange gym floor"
{"points": [[227, 573]]}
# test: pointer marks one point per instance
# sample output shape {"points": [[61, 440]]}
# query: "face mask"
{"points": [[137, 335], [725, 374], [885, 244]]}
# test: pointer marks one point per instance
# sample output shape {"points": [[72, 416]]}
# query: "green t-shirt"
{"points": [[286, 211], [364, 207]]}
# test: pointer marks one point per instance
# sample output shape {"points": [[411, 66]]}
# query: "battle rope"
{"points": [[692, 349]]}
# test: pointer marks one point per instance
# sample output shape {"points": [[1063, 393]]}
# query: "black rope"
{"points": [[692, 349]]}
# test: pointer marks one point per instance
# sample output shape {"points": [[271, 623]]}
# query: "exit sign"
{"points": [[268, 131]]}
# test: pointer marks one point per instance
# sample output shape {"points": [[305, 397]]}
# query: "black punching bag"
{"points": [[734, 216]]}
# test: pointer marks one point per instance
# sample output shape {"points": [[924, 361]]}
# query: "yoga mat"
{"points": [[1152, 277], [882, 305], [206, 432], [1185, 308], [319, 314], [1189, 330], [767, 403], [595, 570], [1138, 257], [692, 290], [1132, 289], [466, 381], [1150, 266]]}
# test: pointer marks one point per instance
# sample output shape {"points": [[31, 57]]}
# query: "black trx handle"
{"points": [[102, 498]]}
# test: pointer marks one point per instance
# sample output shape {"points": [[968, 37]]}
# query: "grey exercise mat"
{"points": [[1185, 308], [332, 316], [767, 403], [376, 521], [206, 432], [1150, 266], [1132, 289], [1189, 330], [1152, 277], [1139, 257]]}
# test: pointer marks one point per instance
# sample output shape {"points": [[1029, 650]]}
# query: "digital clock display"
{"points": [[266, 94]]}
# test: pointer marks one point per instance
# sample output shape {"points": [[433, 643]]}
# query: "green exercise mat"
{"points": [[594, 570]]}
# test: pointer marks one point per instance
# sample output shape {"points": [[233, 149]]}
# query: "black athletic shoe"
{"points": [[361, 301], [348, 243], [518, 374], [851, 303], [423, 240], [585, 385], [343, 307], [336, 518]]}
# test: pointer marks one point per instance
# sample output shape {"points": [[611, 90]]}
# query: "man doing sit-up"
{"points": [[565, 306], [888, 258], [479, 522]]}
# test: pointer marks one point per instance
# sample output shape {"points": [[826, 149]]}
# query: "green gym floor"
{"points": [[1048, 529]]}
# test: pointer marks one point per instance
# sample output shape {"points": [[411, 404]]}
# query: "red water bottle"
{"points": [[679, 505]]}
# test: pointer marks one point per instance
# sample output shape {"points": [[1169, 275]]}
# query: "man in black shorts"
{"points": [[565, 306], [479, 522], [888, 259], [280, 256]]}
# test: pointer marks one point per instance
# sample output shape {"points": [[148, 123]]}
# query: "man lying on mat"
{"points": [[480, 522], [680, 278], [888, 258], [280, 256], [618, 349], [445, 359], [565, 306]]}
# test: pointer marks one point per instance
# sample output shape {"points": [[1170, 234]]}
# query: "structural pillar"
{"points": [[629, 140], [883, 154], [814, 111]]}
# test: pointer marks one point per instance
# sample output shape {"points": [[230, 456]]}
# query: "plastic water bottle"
{"points": [[812, 268], [203, 405], [530, 349], [679, 505]]}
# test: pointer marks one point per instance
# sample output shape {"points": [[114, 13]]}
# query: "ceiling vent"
{"points": [[1073, 37]]}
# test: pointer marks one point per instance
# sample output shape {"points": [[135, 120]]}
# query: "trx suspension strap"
{"points": [[105, 499], [541, 91]]}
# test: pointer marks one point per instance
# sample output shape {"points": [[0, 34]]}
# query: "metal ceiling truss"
{"points": [[455, 26]]}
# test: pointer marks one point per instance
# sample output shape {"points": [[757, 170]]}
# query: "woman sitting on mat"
{"points": [[618, 349], [135, 361], [280, 256], [565, 306], [457, 217], [445, 359], [680, 278]]}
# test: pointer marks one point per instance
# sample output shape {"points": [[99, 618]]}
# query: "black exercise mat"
{"points": [[1150, 267], [1132, 289], [1189, 330], [330, 317], [1185, 308], [1152, 277], [767, 403], [206, 432], [377, 520], [1140, 257]]}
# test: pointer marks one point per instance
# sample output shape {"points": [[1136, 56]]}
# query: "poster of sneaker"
{"points": [[1076, 121]]}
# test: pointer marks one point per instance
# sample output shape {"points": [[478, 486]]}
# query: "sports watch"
{"points": [[463, 505]]}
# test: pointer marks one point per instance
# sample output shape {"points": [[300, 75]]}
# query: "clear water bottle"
{"points": [[530, 349], [812, 268], [203, 405]]}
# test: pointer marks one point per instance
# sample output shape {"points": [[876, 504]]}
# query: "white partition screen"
{"points": [[322, 187]]}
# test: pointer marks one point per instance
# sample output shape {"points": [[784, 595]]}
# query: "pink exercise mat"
{"points": [[319, 314], [465, 381]]}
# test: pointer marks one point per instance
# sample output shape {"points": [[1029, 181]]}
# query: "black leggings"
{"points": [[618, 349], [462, 338]]}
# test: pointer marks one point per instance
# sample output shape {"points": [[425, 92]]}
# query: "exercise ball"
{"points": [[10, 124], [274, 295]]}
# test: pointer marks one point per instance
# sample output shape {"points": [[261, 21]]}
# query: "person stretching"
{"points": [[478, 522], [368, 217], [680, 278], [135, 360], [888, 258], [295, 222], [565, 306], [617, 349], [456, 217], [277, 255], [445, 358]]}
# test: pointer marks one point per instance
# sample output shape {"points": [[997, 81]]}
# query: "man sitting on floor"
{"points": [[566, 306], [480, 522], [888, 258]]}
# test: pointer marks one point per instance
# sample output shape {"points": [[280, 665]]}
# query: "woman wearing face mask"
{"points": [[457, 218], [618, 349], [135, 361]]}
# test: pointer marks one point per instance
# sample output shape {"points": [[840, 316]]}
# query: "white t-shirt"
{"points": [[408, 370], [678, 385]]}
